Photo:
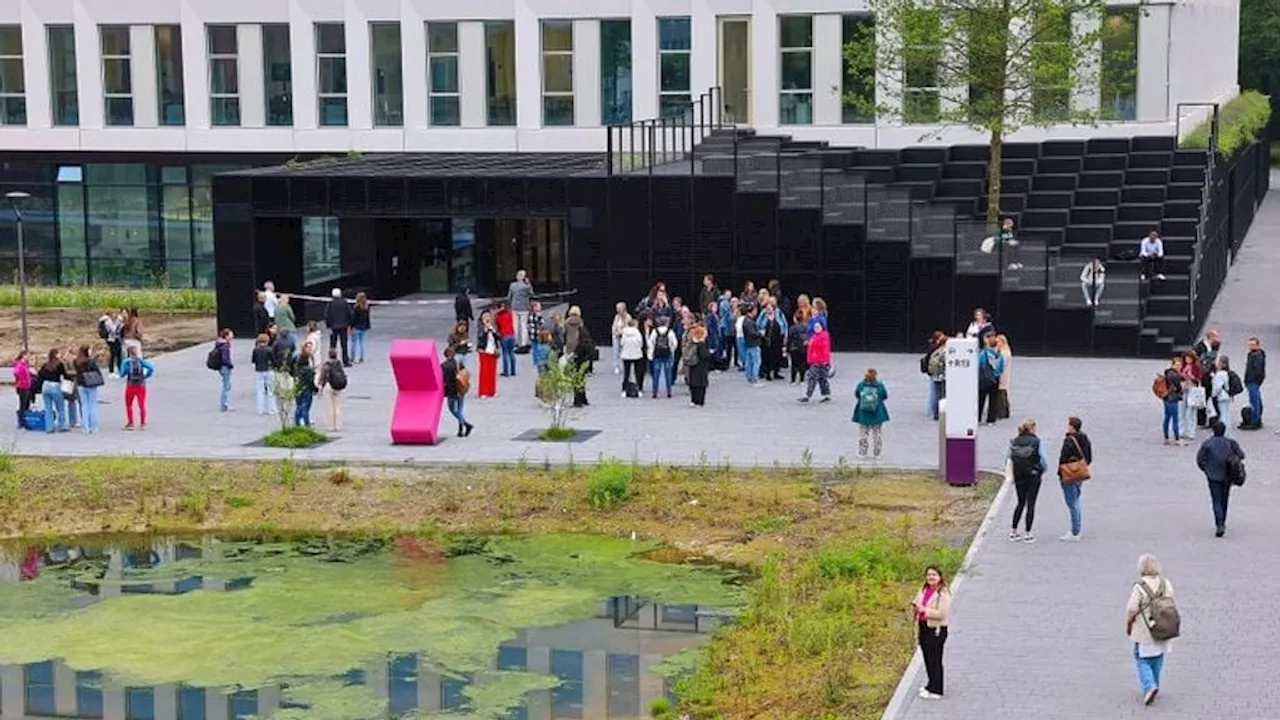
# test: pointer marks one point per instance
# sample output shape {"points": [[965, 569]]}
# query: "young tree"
{"points": [[556, 386], [991, 65]]}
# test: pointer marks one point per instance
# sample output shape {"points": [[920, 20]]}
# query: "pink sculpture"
{"points": [[419, 392]]}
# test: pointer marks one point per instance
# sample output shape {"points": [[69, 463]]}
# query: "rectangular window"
{"points": [[615, 72], [795, 75], [38, 688], [388, 77], [1119, 64], [987, 64], [500, 72], [117, 78], [169, 74], [321, 251], [557, 72], [331, 70], [675, 44], [224, 75], [858, 84], [13, 93], [1051, 64], [140, 703], [277, 75], [442, 74], [64, 95], [921, 54], [89, 694]]}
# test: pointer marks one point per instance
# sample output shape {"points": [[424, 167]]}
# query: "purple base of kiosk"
{"points": [[961, 461]]}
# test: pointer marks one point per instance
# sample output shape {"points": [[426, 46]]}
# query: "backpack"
{"points": [[1025, 458], [987, 376], [662, 344], [1159, 387], [937, 364], [214, 360], [1161, 614], [337, 376], [102, 328], [462, 381], [869, 399], [1234, 386], [137, 372]]}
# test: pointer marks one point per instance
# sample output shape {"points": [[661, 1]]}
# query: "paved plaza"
{"points": [[1037, 630]]}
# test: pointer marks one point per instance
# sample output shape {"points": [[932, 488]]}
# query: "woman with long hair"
{"points": [[1192, 400], [932, 608], [460, 341], [1002, 387], [487, 347], [88, 380], [934, 366], [360, 325], [50, 377]]}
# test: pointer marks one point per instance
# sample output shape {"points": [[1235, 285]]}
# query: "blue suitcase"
{"points": [[33, 420]]}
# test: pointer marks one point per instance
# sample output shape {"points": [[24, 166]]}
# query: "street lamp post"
{"points": [[14, 198]]}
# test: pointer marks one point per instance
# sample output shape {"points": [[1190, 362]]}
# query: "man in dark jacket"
{"points": [[709, 292], [261, 318], [338, 317], [462, 307], [752, 340], [1255, 372], [1214, 456]]}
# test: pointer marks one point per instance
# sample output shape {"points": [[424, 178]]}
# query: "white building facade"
{"points": [[286, 76]]}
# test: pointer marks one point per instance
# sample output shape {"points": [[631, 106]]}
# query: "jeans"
{"points": [[455, 405], [73, 409], [935, 394], [358, 344], [224, 401], [617, 356], [1224, 414], [522, 328], [55, 407], [661, 371], [509, 355], [741, 346], [1188, 420], [1148, 669], [264, 393], [1255, 400], [1071, 493], [302, 410], [1092, 292], [1170, 419], [1219, 495], [89, 409], [753, 364]]}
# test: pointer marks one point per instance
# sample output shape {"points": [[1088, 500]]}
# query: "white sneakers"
{"points": [[926, 695], [1069, 537]]}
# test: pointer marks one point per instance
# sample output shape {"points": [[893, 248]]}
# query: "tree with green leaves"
{"points": [[556, 386], [992, 65]]}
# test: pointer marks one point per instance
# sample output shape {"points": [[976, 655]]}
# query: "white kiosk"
{"points": [[959, 452]]}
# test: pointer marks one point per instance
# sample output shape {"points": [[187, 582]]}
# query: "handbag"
{"points": [[1076, 471], [1196, 397], [91, 378], [68, 386]]}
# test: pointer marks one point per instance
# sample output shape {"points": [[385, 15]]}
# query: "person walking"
{"points": [[361, 323], [935, 368], [88, 380], [990, 368], [505, 320], [286, 323], [456, 383], [1255, 373], [264, 361], [697, 361], [1215, 458], [304, 379], [818, 358], [337, 317], [22, 382], [1093, 276], [519, 297], [487, 347], [870, 413], [1148, 653], [332, 383], [932, 609], [136, 372], [1074, 460], [630, 350], [621, 318], [1027, 462], [662, 343], [460, 341], [225, 366], [797, 343], [50, 377], [462, 310]]}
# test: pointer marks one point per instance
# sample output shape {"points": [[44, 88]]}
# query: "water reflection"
{"points": [[603, 665]]}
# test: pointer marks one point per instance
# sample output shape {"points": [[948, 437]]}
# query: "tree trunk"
{"points": [[994, 177]]}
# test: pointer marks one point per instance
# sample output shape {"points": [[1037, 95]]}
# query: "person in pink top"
{"points": [[22, 382], [932, 608], [819, 356]]}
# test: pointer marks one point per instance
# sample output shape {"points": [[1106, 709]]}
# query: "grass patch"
{"points": [[1240, 122], [557, 434], [90, 297], [831, 560], [295, 438]]}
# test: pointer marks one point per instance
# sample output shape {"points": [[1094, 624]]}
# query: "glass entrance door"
{"points": [[535, 245], [734, 60]]}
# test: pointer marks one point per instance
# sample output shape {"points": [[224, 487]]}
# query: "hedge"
{"points": [[1240, 122]]}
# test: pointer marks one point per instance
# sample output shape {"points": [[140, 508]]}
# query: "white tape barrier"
{"points": [[443, 301]]}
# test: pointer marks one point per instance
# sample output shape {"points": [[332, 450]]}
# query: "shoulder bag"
{"points": [[1075, 471]]}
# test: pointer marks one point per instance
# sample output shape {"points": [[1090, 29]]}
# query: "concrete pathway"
{"points": [[1038, 629]]}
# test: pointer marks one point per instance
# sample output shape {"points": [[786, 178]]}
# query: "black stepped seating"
{"points": [[1133, 230], [968, 153], [1168, 326], [1059, 165], [1180, 209], [1106, 162], [918, 189], [961, 187], [914, 172], [1020, 150], [1050, 200], [1144, 194], [1146, 176], [1102, 179], [1187, 174], [1019, 167], [967, 170], [1062, 148], [1093, 216], [1153, 143], [1097, 197], [1165, 304], [1185, 227], [1017, 185], [1107, 146], [924, 155], [1184, 191], [875, 158], [1196, 158], [1150, 160], [1044, 218], [1061, 183], [1089, 234], [1147, 213]]}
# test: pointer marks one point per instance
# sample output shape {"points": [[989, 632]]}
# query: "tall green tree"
{"points": [[1260, 51], [991, 65]]}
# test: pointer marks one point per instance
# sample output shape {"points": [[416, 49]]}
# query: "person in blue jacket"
{"points": [[870, 413], [990, 368]]}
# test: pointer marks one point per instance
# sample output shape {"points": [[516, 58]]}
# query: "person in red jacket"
{"points": [[819, 357], [505, 319]]}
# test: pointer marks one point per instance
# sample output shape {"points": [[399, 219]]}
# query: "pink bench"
{"points": [[419, 392]]}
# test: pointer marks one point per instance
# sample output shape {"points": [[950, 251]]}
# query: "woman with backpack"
{"points": [[934, 366], [333, 380], [1149, 613], [797, 343], [136, 372], [456, 383], [870, 413], [88, 380], [1026, 461], [1225, 386]]}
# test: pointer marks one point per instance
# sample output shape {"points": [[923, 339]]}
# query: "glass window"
{"points": [[1051, 64], [987, 64], [921, 55], [224, 75], [243, 705], [71, 226], [117, 81], [13, 99], [442, 69], [388, 79], [567, 698], [277, 75], [500, 72], [557, 72], [795, 86], [321, 252], [1119, 64], [331, 69], [402, 685], [622, 679], [169, 74], [139, 703], [858, 86], [191, 703], [674, 45], [123, 236], [38, 681], [615, 72], [89, 694], [64, 93], [175, 226]]}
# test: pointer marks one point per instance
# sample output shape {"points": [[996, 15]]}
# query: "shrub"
{"points": [[100, 298], [557, 434], [609, 484], [295, 438], [1240, 122], [884, 559], [235, 502]]}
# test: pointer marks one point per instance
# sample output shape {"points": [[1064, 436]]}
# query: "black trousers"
{"points": [[1220, 495], [338, 336], [699, 395], [987, 399], [931, 644], [771, 361], [642, 365], [632, 368], [24, 404], [731, 351], [1152, 265], [116, 348], [1027, 490], [799, 364]]}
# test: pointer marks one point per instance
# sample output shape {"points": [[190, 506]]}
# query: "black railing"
{"points": [[1194, 316], [643, 145]]}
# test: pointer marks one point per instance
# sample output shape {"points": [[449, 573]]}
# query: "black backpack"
{"points": [[214, 359], [337, 376], [1234, 386], [1025, 457], [102, 328], [662, 344]]}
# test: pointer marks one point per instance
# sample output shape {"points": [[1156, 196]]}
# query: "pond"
{"points": [[343, 628]]}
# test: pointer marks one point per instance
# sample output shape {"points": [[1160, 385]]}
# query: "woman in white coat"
{"points": [[630, 344]]}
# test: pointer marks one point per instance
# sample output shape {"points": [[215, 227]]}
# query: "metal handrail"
{"points": [[671, 137]]}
